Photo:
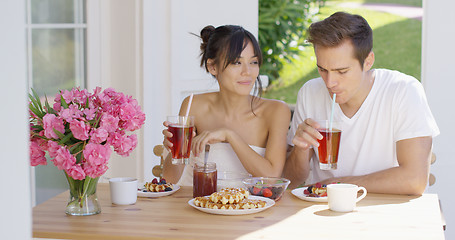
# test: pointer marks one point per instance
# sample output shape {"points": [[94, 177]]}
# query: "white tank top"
{"points": [[224, 157]]}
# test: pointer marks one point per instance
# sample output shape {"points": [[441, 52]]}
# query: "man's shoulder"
{"points": [[394, 76], [392, 79]]}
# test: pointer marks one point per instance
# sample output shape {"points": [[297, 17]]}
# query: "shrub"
{"points": [[282, 31]]}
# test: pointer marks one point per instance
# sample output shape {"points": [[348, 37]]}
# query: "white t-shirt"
{"points": [[395, 109], [224, 157]]}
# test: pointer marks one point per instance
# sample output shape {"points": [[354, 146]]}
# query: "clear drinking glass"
{"points": [[329, 145], [181, 128]]}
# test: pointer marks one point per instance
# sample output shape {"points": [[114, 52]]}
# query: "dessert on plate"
{"points": [[158, 186], [229, 198]]}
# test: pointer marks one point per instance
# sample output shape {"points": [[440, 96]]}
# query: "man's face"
{"points": [[341, 71]]}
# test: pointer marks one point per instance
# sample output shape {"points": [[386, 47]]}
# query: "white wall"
{"points": [[438, 78], [15, 197], [171, 56], [117, 25]]}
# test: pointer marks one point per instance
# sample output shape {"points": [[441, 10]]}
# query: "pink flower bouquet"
{"points": [[79, 131]]}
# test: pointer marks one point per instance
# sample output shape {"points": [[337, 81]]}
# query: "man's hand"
{"points": [[307, 134]]}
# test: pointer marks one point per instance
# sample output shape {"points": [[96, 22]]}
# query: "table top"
{"points": [[377, 216]]}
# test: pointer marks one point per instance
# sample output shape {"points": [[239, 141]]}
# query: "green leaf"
{"points": [[63, 102], [37, 99], [35, 111], [65, 138], [59, 134], [49, 108]]}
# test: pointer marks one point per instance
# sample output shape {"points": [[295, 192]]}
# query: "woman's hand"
{"points": [[307, 134], [166, 143], [208, 137]]}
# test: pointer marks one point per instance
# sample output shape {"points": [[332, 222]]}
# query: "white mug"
{"points": [[123, 190], [342, 197]]}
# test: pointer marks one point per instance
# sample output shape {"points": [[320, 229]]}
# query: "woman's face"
{"points": [[238, 77]]}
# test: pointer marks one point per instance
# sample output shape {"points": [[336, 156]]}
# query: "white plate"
{"points": [[298, 192], [269, 203], [140, 193]]}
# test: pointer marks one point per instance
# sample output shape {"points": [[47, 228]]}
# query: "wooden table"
{"points": [[378, 216]]}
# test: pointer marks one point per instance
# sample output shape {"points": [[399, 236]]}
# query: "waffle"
{"points": [[319, 191], [205, 202], [229, 195], [152, 187]]}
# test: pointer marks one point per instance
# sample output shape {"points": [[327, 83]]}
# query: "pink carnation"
{"points": [[51, 122], [64, 160], [109, 123], [123, 145], [70, 113], [52, 148], [68, 96], [95, 171], [37, 155], [97, 154], [98, 135], [90, 113], [80, 96], [76, 172], [80, 129]]}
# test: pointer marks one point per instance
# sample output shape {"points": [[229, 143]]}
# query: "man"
{"points": [[387, 126]]}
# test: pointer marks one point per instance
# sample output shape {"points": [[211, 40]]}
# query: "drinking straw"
{"points": [[186, 117], [331, 114], [189, 106]]}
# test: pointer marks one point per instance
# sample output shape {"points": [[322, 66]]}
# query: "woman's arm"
{"points": [[277, 117]]}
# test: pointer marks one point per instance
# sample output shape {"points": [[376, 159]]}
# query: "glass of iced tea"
{"points": [[329, 145], [204, 179], [181, 128]]}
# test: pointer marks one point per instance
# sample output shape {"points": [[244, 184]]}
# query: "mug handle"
{"points": [[363, 194]]}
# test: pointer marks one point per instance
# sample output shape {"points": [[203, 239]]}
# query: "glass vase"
{"points": [[82, 200]]}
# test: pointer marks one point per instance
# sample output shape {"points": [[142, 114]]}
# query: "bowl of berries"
{"points": [[269, 187]]}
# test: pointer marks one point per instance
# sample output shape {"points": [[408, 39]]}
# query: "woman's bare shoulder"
{"points": [[200, 103], [274, 104], [275, 110]]}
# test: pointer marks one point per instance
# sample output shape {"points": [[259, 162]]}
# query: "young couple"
{"points": [[387, 125]]}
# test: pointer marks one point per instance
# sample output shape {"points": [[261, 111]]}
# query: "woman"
{"points": [[246, 133]]}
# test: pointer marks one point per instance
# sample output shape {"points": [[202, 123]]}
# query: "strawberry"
{"points": [[318, 185], [256, 191], [155, 181], [267, 192]]}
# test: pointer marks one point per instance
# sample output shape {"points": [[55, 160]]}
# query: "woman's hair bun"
{"points": [[206, 32]]}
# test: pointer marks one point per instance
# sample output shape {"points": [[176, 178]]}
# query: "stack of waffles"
{"points": [[229, 198]]}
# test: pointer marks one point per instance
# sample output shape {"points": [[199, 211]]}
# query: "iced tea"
{"points": [[182, 133], [328, 148]]}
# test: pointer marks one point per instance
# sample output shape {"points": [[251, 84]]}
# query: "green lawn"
{"points": [[397, 45]]}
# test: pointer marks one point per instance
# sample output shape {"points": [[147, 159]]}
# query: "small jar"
{"points": [[204, 179]]}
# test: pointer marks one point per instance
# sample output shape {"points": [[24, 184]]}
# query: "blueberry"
{"points": [[168, 189], [310, 189], [324, 185]]}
